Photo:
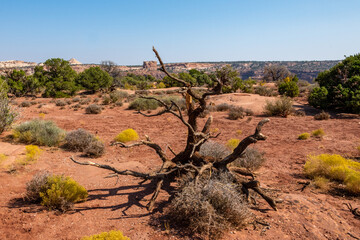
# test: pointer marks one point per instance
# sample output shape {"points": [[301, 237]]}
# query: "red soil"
{"points": [[112, 204]]}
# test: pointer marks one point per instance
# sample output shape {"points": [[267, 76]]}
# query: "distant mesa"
{"points": [[16, 63], [151, 65], [73, 61]]}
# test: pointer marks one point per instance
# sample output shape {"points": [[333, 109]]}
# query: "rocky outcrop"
{"points": [[151, 65], [16, 64]]}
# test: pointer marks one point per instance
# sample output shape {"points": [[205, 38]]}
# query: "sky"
{"points": [[124, 31]]}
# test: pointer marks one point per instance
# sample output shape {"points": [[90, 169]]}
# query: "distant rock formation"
{"points": [[150, 65], [16, 64], [73, 61]]}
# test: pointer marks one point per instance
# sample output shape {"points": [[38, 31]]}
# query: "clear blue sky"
{"points": [[183, 30]]}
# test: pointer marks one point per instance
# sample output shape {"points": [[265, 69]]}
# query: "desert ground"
{"points": [[119, 203]]}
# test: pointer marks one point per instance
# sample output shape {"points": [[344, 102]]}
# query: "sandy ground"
{"points": [[120, 204]]}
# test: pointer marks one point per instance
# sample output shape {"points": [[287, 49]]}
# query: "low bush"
{"points": [[93, 109], [95, 149], [214, 149], [112, 235], [335, 168], [61, 193], [7, 113], [233, 143], [280, 107], [85, 101], [106, 100], [60, 103], [117, 95], [235, 113], [35, 186], [299, 113], [265, 91], [25, 104], [304, 136], [78, 140], [127, 136], [322, 116], [252, 159], [32, 152], [318, 133], [142, 104], [39, 132], [209, 207], [76, 99], [222, 107]]}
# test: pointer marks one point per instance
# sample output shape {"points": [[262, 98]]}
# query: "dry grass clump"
{"points": [[127, 136], [304, 136], [39, 132], [112, 235], [265, 91], [214, 149], [76, 99], [35, 185], [25, 104], [318, 133], [252, 159], [322, 116], [281, 107], [117, 95], [335, 168], [93, 109], [209, 207], [235, 113]]}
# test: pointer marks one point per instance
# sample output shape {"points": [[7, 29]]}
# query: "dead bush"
{"points": [[78, 140], [25, 104], [322, 116], [35, 186], [214, 149], [209, 207], [280, 107], [235, 113], [223, 107], [60, 103], [252, 159], [93, 109], [95, 149]]}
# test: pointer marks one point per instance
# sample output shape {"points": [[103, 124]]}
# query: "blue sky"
{"points": [[183, 30]]}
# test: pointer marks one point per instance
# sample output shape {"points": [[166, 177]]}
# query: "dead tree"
{"points": [[189, 160]]}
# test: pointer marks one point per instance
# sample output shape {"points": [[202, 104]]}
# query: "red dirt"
{"points": [[311, 214]]}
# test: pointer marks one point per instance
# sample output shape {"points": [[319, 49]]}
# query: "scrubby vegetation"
{"points": [[127, 136], [288, 86], [142, 104], [339, 87], [232, 143], [304, 136], [93, 109], [39, 132], [94, 79], [214, 149], [7, 113], [252, 159], [322, 116], [209, 207], [55, 191], [32, 152], [82, 141], [112, 235], [335, 168], [281, 107], [318, 133]]}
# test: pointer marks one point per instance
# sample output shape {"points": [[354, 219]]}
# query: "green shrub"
{"points": [[142, 104], [304, 136], [161, 85], [20, 84], [7, 113], [127, 136], [209, 207], [112, 235], [61, 193], [39, 132], [94, 79], [233, 143], [252, 159], [117, 95], [93, 109], [322, 116], [280, 107], [265, 91], [335, 167], [318, 133], [339, 86], [288, 87]]}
